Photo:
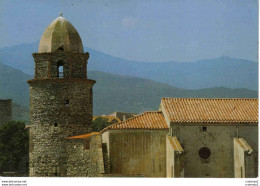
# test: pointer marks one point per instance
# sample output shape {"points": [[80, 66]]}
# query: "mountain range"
{"points": [[208, 73], [111, 92]]}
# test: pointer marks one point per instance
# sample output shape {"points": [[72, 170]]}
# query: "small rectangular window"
{"points": [[204, 129], [66, 102]]}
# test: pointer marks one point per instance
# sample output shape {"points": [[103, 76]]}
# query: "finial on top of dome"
{"points": [[60, 32], [60, 14]]}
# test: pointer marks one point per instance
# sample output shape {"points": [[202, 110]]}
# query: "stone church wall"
{"points": [[219, 140], [5, 111], [136, 152]]}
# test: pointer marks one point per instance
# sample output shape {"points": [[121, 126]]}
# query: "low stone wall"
{"points": [[84, 157]]}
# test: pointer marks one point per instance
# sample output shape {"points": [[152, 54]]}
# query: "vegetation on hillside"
{"points": [[13, 85], [128, 94], [111, 92]]}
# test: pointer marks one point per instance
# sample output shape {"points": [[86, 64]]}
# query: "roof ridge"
{"points": [[204, 98], [136, 122], [83, 136], [121, 123]]}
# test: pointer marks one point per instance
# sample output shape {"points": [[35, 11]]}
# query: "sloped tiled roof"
{"points": [[147, 120], [84, 136], [229, 110]]}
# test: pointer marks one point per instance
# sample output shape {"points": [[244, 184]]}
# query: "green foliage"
{"points": [[13, 85], [100, 123], [14, 144]]}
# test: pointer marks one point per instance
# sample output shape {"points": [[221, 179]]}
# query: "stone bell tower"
{"points": [[60, 98]]}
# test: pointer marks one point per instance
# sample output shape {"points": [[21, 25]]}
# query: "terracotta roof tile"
{"points": [[212, 110], [84, 136], [147, 120]]}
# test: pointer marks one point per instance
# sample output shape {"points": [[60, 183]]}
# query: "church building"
{"points": [[186, 137]]}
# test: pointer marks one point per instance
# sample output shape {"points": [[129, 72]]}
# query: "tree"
{"points": [[100, 123], [14, 145]]}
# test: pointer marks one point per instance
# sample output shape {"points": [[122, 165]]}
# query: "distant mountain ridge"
{"points": [[219, 72], [111, 92]]}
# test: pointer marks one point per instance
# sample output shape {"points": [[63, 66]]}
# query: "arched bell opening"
{"points": [[60, 69]]}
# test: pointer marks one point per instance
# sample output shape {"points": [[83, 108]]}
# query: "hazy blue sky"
{"points": [[143, 30]]}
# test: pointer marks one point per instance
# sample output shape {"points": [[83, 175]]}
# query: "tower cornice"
{"points": [[48, 54], [64, 80]]}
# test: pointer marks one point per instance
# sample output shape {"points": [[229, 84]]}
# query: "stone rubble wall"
{"points": [[85, 157], [74, 65], [52, 121]]}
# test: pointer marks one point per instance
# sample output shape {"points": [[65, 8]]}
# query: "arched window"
{"points": [[60, 73]]}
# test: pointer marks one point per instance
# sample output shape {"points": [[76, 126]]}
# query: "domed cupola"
{"points": [[60, 35]]}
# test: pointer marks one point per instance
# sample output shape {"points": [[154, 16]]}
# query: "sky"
{"points": [[147, 30]]}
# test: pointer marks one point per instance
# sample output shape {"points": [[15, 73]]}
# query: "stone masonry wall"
{"points": [[74, 65], [59, 108], [5, 111], [85, 158]]}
